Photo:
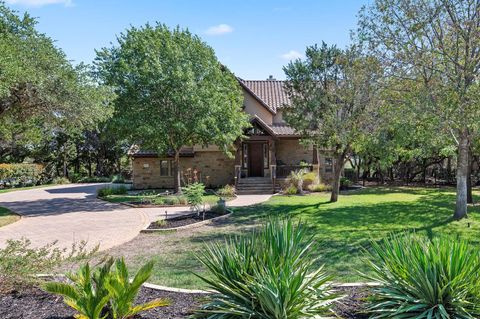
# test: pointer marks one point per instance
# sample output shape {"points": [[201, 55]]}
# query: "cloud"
{"points": [[292, 55], [39, 3], [219, 29]]}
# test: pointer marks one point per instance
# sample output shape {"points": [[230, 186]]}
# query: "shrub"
{"points": [[295, 178], [118, 179], [309, 178], [13, 175], [290, 190], [20, 263], [194, 195], [182, 200], [219, 209], [60, 180], [105, 292], [227, 191], [270, 273], [320, 187], [423, 278], [172, 200], [94, 179], [107, 191], [345, 183]]}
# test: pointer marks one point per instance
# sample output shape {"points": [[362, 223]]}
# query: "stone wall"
{"points": [[214, 167], [291, 152]]}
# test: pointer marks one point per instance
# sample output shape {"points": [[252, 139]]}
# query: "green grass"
{"points": [[7, 217], [343, 229], [14, 189]]}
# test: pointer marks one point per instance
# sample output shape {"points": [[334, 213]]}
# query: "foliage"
{"points": [[345, 183], [20, 263], [12, 175], [429, 48], [309, 178], [94, 179], [332, 92], [219, 209], [172, 91], [105, 292], [60, 180], [118, 179], [290, 190], [320, 187], [194, 195], [422, 278], [227, 191], [295, 180], [118, 190], [270, 273]]}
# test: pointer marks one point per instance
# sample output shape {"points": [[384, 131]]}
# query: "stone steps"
{"points": [[254, 185]]}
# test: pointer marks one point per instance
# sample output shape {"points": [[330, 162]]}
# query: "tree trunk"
{"points": [[319, 176], [176, 173], [337, 171], [469, 178], [462, 172]]}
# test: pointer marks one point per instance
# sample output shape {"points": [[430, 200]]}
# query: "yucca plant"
{"points": [[422, 278], [123, 291], [271, 273], [104, 293], [87, 293]]}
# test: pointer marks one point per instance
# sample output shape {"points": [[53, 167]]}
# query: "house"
{"points": [[270, 151]]}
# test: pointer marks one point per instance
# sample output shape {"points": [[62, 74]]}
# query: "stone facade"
{"points": [[213, 168]]}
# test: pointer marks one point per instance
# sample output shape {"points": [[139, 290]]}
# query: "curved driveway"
{"points": [[71, 213], [68, 214]]}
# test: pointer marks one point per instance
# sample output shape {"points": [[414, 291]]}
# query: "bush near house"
{"points": [[19, 175], [320, 187], [120, 190], [227, 191]]}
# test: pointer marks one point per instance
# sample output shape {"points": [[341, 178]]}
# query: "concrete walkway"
{"points": [[71, 213]]}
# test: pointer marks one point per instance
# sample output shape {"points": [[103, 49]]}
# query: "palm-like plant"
{"points": [[123, 291], [423, 278], [87, 294], [105, 293], [268, 274]]}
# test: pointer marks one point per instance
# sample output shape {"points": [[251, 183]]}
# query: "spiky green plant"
{"points": [[421, 278], [271, 273], [87, 293], [104, 293], [123, 291]]}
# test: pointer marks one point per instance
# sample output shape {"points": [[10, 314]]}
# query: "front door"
{"points": [[255, 151]]}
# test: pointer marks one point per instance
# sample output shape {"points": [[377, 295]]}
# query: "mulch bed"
{"points": [[184, 220], [36, 304]]}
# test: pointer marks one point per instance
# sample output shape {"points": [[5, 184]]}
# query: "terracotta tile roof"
{"points": [[269, 92], [283, 130]]}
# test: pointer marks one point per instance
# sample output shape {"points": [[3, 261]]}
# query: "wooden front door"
{"points": [[255, 159]]}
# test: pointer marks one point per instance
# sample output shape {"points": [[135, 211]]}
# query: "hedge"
{"points": [[12, 175]]}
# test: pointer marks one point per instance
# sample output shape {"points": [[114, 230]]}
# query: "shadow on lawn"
{"points": [[346, 229]]}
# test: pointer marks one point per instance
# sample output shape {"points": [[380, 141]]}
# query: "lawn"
{"points": [[343, 229], [7, 217]]}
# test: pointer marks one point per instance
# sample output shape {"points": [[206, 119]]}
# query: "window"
{"points": [[265, 156], [165, 168], [328, 165], [245, 155]]}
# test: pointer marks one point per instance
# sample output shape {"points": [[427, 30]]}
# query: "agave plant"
{"points": [[421, 278], [269, 274], [105, 293], [123, 291]]}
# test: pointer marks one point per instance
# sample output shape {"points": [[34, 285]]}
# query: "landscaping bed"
{"points": [[185, 220], [35, 303]]}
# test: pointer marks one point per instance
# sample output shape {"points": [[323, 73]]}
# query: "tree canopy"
{"points": [[171, 91]]}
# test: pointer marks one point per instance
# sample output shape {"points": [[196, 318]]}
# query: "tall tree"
{"points": [[331, 93], [436, 46], [172, 91]]}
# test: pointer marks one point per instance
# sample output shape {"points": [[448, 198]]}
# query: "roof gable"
{"points": [[270, 93]]}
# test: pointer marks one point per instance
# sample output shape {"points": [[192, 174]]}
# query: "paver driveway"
{"points": [[70, 213]]}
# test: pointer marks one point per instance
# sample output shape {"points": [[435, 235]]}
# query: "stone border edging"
{"points": [[194, 225]]}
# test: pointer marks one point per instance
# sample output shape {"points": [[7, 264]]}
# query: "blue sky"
{"points": [[254, 38]]}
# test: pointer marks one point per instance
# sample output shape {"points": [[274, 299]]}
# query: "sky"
{"points": [[254, 38]]}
